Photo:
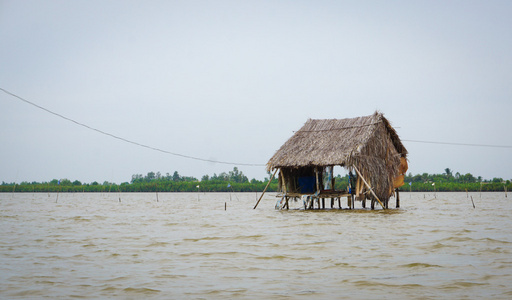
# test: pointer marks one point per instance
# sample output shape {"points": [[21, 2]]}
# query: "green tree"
{"points": [[150, 176], [176, 176]]}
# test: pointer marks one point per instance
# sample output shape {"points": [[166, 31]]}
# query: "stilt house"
{"points": [[368, 147]]}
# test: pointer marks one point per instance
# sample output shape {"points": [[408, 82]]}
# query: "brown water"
{"points": [[187, 246]]}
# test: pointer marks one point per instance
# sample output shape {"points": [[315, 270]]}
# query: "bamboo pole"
{"points": [[371, 190], [317, 180], [265, 189]]}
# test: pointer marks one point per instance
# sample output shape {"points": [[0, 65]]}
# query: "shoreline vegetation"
{"points": [[236, 181]]}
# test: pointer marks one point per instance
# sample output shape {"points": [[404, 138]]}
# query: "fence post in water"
{"points": [[225, 206], [397, 198]]}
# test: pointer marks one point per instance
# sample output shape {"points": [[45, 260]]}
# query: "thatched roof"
{"points": [[369, 143]]}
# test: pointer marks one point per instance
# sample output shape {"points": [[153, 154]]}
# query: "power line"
{"points": [[457, 144], [210, 160], [126, 140]]}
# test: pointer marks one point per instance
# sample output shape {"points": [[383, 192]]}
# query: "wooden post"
{"points": [[397, 198], [265, 189], [317, 180], [285, 188], [371, 190], [358, 186], [333, 179]]}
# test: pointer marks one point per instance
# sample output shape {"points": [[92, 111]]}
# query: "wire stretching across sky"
{"points": [[203, 159], [126, 140], [457, 144]]}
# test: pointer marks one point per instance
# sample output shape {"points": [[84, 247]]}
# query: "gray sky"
{"points": [[232, 80]]}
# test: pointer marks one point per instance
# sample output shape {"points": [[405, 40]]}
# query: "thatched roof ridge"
{"points": [[324, 142]]}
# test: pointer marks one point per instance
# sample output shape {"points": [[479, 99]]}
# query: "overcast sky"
{"points": [[231, 80]]}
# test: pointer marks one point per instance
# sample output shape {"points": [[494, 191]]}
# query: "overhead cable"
{"points": [[204, 159], [457, 144], [126, 140]]}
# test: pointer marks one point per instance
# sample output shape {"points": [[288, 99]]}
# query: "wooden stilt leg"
{"points": [[397, 199], [373, 204], [369, 187]]}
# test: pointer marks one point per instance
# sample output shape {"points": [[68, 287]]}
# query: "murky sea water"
{"points": [[187, 246]]}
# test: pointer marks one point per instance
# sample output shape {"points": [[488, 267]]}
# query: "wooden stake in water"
{"points": [[265, 189], [473, 202]]}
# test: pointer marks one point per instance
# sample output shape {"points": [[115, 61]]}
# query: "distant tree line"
{"points": [[449, 182], [236, 181], [233, 181]]}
